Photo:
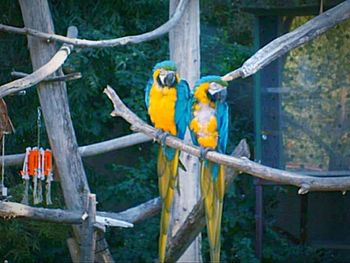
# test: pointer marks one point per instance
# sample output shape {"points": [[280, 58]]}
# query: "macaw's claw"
{"points": [[203, 152], [157, 135], [182, 166], [163, 137]]}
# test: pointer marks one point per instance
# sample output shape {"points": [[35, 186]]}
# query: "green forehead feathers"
{"points": [[211, 78], [166, 64]]}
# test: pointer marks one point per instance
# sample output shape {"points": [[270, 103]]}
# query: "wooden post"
{"points": [[185, 51], [73, 249], [88, 241], [54, 104]]}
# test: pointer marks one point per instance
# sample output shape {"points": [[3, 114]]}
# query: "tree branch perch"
{"points": [[242, 164]]}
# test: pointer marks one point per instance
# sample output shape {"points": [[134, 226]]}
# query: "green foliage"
{"points": [[130, 179]]}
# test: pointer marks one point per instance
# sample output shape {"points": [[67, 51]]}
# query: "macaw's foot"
{"points": [[203, 152], [161, 136], [159, 132]]}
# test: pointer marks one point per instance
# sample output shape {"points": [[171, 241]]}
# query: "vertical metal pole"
{"points": [[258, 218], [257, 124], [304, 202], [267, 107]]}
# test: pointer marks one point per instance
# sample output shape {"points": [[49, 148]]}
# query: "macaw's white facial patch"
{"points": [[215, 88]]}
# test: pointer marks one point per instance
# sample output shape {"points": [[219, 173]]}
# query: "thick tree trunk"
{"points": [[54, 104], [185, 51]]}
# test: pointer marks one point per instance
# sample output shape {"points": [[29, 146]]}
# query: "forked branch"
{"points": [[43, 72]]}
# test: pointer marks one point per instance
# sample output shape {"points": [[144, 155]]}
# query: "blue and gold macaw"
{"points": [[168, 100], [209, 130]]}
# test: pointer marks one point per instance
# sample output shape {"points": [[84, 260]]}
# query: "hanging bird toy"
{"points": [[37, 166]]}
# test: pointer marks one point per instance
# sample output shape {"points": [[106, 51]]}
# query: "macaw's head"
{"points": [[164, 73], [211, 89]]}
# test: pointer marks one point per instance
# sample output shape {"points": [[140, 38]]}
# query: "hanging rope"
{"points": [[38, 123], [37, 191]]}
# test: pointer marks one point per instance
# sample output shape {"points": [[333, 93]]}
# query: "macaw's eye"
{"points": [[163, 73]]}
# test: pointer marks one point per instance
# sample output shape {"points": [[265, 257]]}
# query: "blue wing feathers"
{"points": [[182, 108], [222, 118], [147, 91], [182, 114]]}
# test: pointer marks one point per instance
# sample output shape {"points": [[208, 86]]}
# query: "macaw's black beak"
{"points": [[170, 79], [218, 94]]}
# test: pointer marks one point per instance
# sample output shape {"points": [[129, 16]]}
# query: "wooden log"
{"points": [[90, 150], [42, 34], [195, 221], [10, 210], [242, 164], [54, 104], [286, 42], [73, 249], [184, 48], [88, 240]]}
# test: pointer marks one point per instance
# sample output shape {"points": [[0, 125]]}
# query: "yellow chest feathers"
{"points": [[204, 125], [204, 122], [161, 109]]}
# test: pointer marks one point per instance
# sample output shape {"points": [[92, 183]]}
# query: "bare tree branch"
{"points": [[114, 144], [163, 29], [67, 77], [9, 210], [306, 183], [138, 213], [90, 150], [40, 74], [195, 221], [286, 42]]}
